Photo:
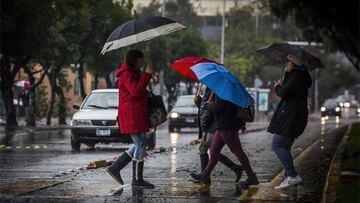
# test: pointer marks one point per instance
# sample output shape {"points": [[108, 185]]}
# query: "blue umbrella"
{"points": [[223, 83]]}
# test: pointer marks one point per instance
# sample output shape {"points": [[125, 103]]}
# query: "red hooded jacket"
{"points": [[132, 110]]}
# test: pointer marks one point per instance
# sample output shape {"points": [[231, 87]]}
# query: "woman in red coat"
{"points": [[133, 115]]}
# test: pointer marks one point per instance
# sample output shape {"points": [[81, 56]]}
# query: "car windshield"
{"points": [[185, 102], [102, 100], [331, 103]]}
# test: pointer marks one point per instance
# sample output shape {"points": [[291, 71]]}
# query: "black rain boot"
{"points": [[138, 181], [204, 160], [250, 180], [201, 177], [115, 168], [230, 164]]}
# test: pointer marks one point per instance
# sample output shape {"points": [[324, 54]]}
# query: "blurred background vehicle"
{"points": [[331, 108], [95, 121], [184, 114]]}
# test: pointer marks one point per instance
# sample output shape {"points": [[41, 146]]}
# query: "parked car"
{"points": [[331, 108], [95, 121], [184, 114]]}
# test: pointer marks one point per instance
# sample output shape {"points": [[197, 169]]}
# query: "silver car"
{"points": [[95, 121], [184, 114]]}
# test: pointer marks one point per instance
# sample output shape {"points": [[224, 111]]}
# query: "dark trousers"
{"points": [[231, 139]]}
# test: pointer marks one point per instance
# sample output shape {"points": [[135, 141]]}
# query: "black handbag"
{"points": [[246, 114], [156, 110]]}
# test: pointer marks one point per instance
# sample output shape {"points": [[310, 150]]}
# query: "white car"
{"points": [[95, 121]]}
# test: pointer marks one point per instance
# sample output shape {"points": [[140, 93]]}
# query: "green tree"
{"points": [[24, 27], [106, 16], [242, 39], [187, 42], [334, 23]]}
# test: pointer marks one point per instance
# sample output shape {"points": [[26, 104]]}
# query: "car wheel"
{"points": [[75, 144], [151, 141], [171, 128]]}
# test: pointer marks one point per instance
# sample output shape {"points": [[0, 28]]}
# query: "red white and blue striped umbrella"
{"points": [[140, 30]]}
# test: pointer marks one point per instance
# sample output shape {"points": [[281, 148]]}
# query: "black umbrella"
{"points": [[282, 51], [140, 30]]}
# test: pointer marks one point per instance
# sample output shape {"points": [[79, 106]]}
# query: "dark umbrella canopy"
{"points": [[280, 51], [140, 30]]}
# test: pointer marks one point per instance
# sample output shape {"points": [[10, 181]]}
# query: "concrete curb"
{"points": [[334, 174]]}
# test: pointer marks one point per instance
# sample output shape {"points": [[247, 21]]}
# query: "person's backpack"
{"points": [[246, 114]]}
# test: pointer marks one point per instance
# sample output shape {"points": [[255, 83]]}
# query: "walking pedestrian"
{"points": [[227, 126], [133, 116], [207, 126], [290, 117]]}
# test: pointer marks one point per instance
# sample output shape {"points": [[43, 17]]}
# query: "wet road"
{"points": [[40, 166]]}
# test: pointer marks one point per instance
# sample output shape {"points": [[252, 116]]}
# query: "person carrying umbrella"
{"points": [[227, 126], [133, 116], [133, 110], [229, 95], [290, 117], [207, 129]]}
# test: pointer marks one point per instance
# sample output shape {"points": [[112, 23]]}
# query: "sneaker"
{"points": [[289, 181]]}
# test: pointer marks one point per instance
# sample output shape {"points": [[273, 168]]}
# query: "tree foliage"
{"points": [[242, 39], [24, 29], [334, 23]]}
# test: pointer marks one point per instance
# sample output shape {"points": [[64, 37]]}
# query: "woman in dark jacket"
{"points": [[290, 117], [207, 126], [227, 126], [133, 116]]}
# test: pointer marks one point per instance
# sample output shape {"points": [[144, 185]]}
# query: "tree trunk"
{"points": [[62, 106], [52, 81], [52, 76], [96, 81], [9, 104], [109, 84], [7, 79], [31, 109], [81, 80]]}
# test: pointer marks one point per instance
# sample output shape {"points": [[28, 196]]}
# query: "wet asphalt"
{"points": [[38, 166]]}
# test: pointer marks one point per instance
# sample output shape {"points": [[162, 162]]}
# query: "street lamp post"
{"points": [[223, 34]]}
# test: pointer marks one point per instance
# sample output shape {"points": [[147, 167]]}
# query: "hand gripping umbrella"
{"points": [[140, 30]]}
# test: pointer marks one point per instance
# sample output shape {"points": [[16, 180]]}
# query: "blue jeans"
{"points": [[281, 145], [137, 151]]}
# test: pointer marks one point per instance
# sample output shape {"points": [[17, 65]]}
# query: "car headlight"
{"points": [[337, 109], [323, 109], [80, 122], [358, 110], [347, 104], [341, 104], [174, 115]]}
